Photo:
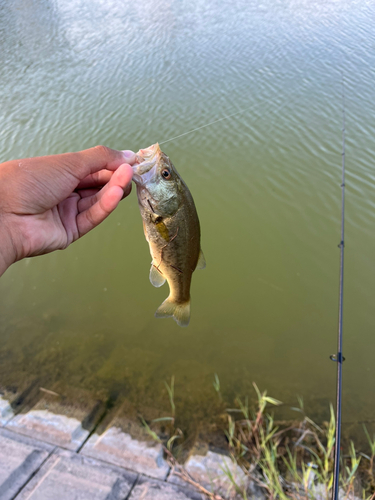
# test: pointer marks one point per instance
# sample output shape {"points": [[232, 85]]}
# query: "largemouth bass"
{"points": [[171, 228]]}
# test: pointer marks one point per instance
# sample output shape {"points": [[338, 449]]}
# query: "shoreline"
{"points": [[114, 435], [61, 443]]}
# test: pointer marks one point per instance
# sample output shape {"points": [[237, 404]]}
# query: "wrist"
{"points": [[7, 254]]}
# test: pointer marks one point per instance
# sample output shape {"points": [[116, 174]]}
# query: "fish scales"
{"points": [[171, 227]]}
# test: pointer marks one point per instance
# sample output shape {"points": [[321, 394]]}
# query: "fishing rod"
{"points": [[339, 357]]}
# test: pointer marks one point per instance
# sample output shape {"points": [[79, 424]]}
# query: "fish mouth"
{"points": [[146, 167], [144, 172]]}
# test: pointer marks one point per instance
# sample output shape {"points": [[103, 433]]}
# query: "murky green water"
{"points": [[266, 185]]}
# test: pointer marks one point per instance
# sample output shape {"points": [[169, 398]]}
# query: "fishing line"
{"points": [[339, 357], [225, 117]]}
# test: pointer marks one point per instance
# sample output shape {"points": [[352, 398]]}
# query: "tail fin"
{"points": [[180, 312]]}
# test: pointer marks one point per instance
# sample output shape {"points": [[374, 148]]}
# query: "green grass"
{"points": [[292, 460]]}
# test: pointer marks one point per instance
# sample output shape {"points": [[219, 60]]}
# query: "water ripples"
{"points": [[266, 180]]}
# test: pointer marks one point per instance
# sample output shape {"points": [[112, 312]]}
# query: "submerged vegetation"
{"points": [[280, 459]]}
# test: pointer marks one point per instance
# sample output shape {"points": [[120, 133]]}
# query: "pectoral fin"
{"points": [[156, 277], [201, 261]]}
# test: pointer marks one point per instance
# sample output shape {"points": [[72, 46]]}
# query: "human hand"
{"points": [[48, 202]]}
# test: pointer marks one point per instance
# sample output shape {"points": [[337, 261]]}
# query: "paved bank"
{"points": [[87, 452], [34, 470], [79, 454]]}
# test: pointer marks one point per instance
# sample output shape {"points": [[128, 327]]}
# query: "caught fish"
{"points": [[171, 228]]}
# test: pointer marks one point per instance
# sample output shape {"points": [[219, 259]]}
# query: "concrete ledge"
{"points": [[6, 412], [59, 430], [119, 448], [51, 419], [66, 475], [147, 489], [210, 471], [20, 458]]}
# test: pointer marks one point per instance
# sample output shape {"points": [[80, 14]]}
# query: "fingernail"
{"points": [[128, 155]]}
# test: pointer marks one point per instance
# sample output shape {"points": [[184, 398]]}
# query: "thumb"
{"points": [[107, 200]]}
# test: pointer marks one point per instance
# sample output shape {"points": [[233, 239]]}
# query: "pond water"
{"points": [[266, 183]]}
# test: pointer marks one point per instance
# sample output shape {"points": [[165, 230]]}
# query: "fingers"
{"points": [[83, 164], [92, 196], [85, 193], [129, 156], [94, 209], [95, 159], [98, 179]]}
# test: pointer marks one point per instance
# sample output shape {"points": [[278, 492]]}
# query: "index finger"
{"points": [[97, 179], [92, 160], [78, 165]]}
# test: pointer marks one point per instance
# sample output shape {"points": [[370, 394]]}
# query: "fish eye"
{"points": [[166, 174]]}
